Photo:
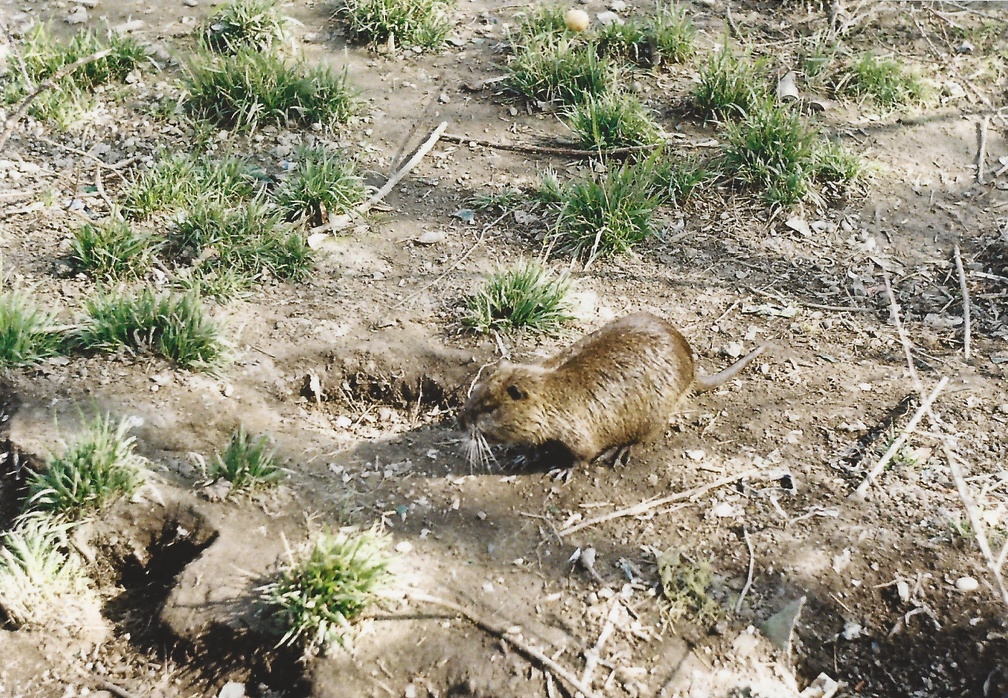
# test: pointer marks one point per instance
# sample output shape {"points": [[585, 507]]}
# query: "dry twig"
{"points": [[897, 444], [592, 656], [648, 505], [995, 565], [551, 150], [965, 301], [511, 637], [341, 221], [752, 564], [982, 149], [47, 84]]}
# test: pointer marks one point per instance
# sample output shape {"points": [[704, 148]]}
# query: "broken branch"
{"points": [[47, 84], [964, 290], [511, 637], [648, 505]]}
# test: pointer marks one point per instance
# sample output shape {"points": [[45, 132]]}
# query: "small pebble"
{"points": [[617, 5], [343, 422], [232, 689], [967, 584], [78, 16], [607, 18]]}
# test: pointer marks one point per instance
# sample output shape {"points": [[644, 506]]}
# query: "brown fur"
{"points": [[613, 388]]}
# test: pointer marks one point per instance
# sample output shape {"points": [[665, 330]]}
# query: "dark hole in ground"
{"points": [[223, 653], [919, 660], [401, 392]]}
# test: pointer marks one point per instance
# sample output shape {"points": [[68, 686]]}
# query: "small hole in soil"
{"points": [[222, 653]]}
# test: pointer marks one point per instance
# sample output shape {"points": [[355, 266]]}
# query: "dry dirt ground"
{"points": [[378, 322]]}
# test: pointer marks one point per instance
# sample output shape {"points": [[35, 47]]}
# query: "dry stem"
{"points": [[48, 83], [752, 564], [511, 637], [965, 300], [647, 505], [551, 150], [341, 221], [982, 149]]}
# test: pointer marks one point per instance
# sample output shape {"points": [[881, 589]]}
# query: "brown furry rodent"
{"points": [[613, 388]]}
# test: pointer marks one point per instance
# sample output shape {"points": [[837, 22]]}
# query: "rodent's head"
{"points": [[505, 406]]}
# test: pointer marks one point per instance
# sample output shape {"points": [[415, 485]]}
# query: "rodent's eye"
{"points": [[516, 393]]}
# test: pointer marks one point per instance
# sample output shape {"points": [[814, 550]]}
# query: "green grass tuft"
{"points": [[672, 33], [629, 40], [884, 80], [98, 467], [421, 23], [27, 334], [40, 56], [771, 148], [176, 181], [244, 24], [523, 296], [250, 89], [172, 326], [317, 597], [557, 68], [250, 240], [323, 183], [832, 161], [247, 463], [500, 200], [675, 179], [729, 86], [613, 120], [111, 250], [39, 572], [546, 20], [608, 214]]}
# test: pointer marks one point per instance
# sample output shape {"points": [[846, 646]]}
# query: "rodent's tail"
{"points": [[701, 383]]}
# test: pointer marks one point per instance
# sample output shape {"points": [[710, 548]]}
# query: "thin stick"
{"points": [[344, 220], [896, 445], [511, 637], [114, 689], [982, 149], [550, 150], [752, 564], [592, 655], [647, 505], [815, 306], [50, 82], [979, 532], [965, 300]]}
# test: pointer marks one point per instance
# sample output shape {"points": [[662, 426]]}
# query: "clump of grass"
{"points": [[502, 200], [172, 326], [323, 183], [178, 180], [729, 86], [832, 161], [423, 23], [27, 334], [41, 56], [111, 250], [249, 89], [549, 67], [672, 34], [612, 120], [884, 80], [317, 597], [244, 24], [523, 296], [250, 240], [675, 179], [98, 467], [817, 58], [246, 463], [39, 573], [221, 284], [543, 20], [684, 586], [607, 214], [628, 39], [771, 148]]}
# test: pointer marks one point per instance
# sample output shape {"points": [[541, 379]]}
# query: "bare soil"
{"points": [[379, 323]]}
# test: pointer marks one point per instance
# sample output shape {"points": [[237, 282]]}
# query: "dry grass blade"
{"points": [[965, 301]]}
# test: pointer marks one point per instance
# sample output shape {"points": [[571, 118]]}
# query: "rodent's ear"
{"points": [[516, 393]]}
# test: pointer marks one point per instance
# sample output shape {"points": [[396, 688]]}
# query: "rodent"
{"points": [[611, 389]]}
